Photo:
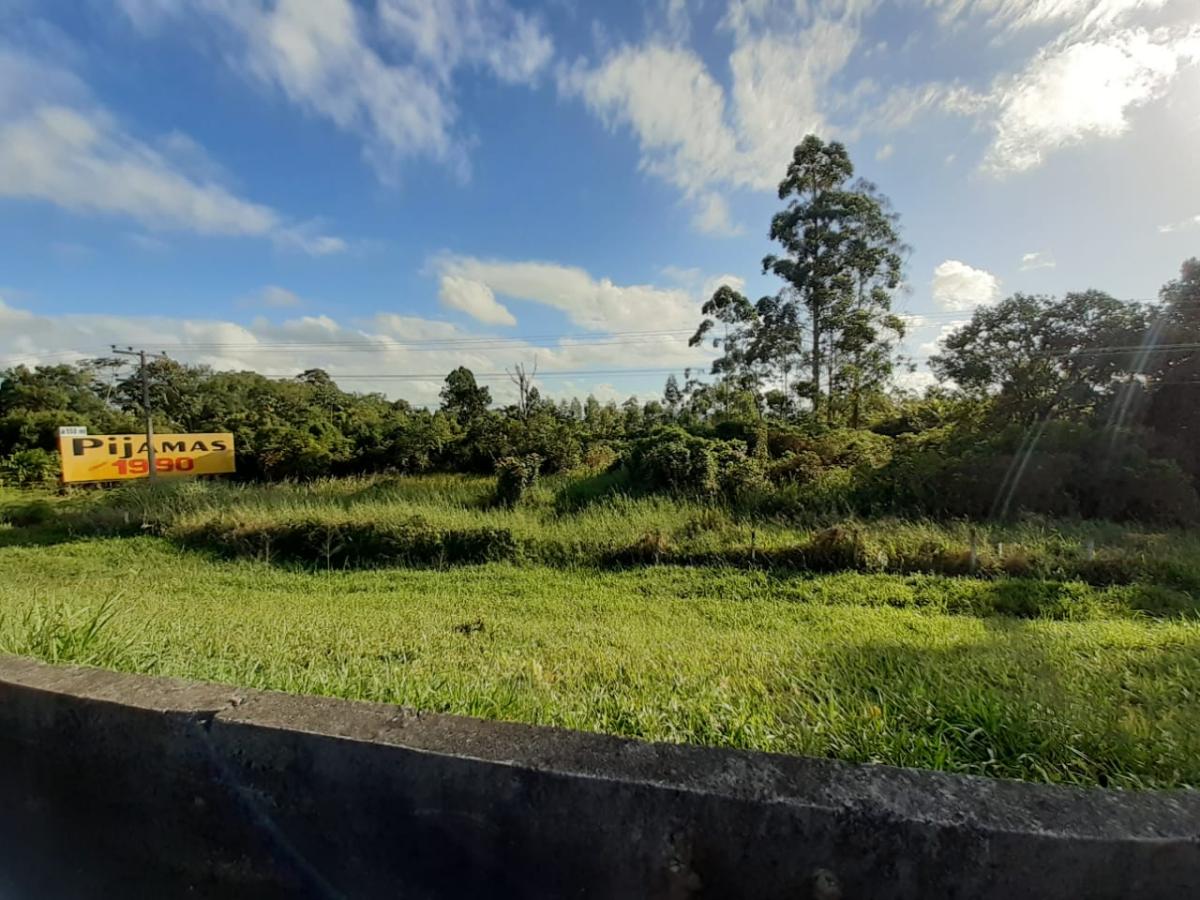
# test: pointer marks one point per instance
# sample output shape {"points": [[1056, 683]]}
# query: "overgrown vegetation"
{"points": [[996, 577], [1080, 406], [862, 667], [566, 521]]}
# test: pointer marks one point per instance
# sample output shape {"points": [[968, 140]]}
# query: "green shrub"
{"points": [[847, 448], [350, 543], [800, 467], [29, 468], [599, 456], [28, 515], [1139, 489], [514, 476], [1065, 471], [554, 443], [739, 475], [674, 461]]}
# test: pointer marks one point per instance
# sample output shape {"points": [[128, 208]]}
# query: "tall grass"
{"points": [[909, 670], [570, 521], [60, 633]]}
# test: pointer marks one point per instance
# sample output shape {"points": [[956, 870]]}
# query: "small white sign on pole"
{"points": [[72, 431]]}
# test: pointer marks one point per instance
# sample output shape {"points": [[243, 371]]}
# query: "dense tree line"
{"points": [[1079, 405]]}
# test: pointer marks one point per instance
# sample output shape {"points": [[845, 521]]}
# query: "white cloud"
{"points": [[84, 162], [1038, 260], [700, 285], [712, 217], [885, 152], [74, 154], [916, 381], [675, 108], [381, 73], [1013, 15], [709, 285], [934, 344], [447, 34], [695, 135], [1106, 59], [1073, 92], [363, 355], [475, 299], [413, 328], [958, 287], [27, 82], [303, 239], [278, 298], [679, 24], [702, 135], [594, 304], [779, 79], [1193, 222]]}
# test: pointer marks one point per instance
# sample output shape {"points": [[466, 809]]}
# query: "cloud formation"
{"points": [[1038, 260], [59, 146], [1070, 93], [398, 355], [475, 299], [383, 72], [591, 303], [1193, 222], [700, 137], [958, 287], [276, 297], [1106, 60]]}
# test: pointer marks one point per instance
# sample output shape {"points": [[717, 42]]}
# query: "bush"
{"points": [[555, 443], [28, 515], [349, 543], [1070, 471], [800, 467], [1139, 489], [28, 468], [846, 448], [674, 461], [514, 476], [599, 456], [739, 475], [839, 448]]}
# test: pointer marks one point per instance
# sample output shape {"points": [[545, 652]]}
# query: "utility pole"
{"points": [[151, 458]]}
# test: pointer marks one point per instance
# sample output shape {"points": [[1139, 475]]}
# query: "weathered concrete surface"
{"points": [[117, 785]]}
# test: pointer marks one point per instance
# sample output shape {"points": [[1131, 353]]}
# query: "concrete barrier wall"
{"points": [[116, 786]]}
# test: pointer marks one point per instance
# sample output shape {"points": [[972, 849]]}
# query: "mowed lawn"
{"points": [[860, 667]]}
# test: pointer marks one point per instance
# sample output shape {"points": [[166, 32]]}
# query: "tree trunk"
{"points": [[816, 360], [830, 361], [857, 389], [814, 293]]}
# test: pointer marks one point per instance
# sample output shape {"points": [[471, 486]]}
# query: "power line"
{"points": [[387, 344], [562, 373]]}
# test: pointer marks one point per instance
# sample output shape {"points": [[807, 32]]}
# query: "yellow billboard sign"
{"points": [[118, 457]]}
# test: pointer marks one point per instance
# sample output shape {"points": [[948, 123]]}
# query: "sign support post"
{"points": [[141, 355]]}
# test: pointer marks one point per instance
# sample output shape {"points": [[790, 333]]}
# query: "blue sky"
{"points": [[390, 188]]}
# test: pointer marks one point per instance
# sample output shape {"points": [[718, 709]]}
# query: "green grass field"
{"points": [[1039, 678]]}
